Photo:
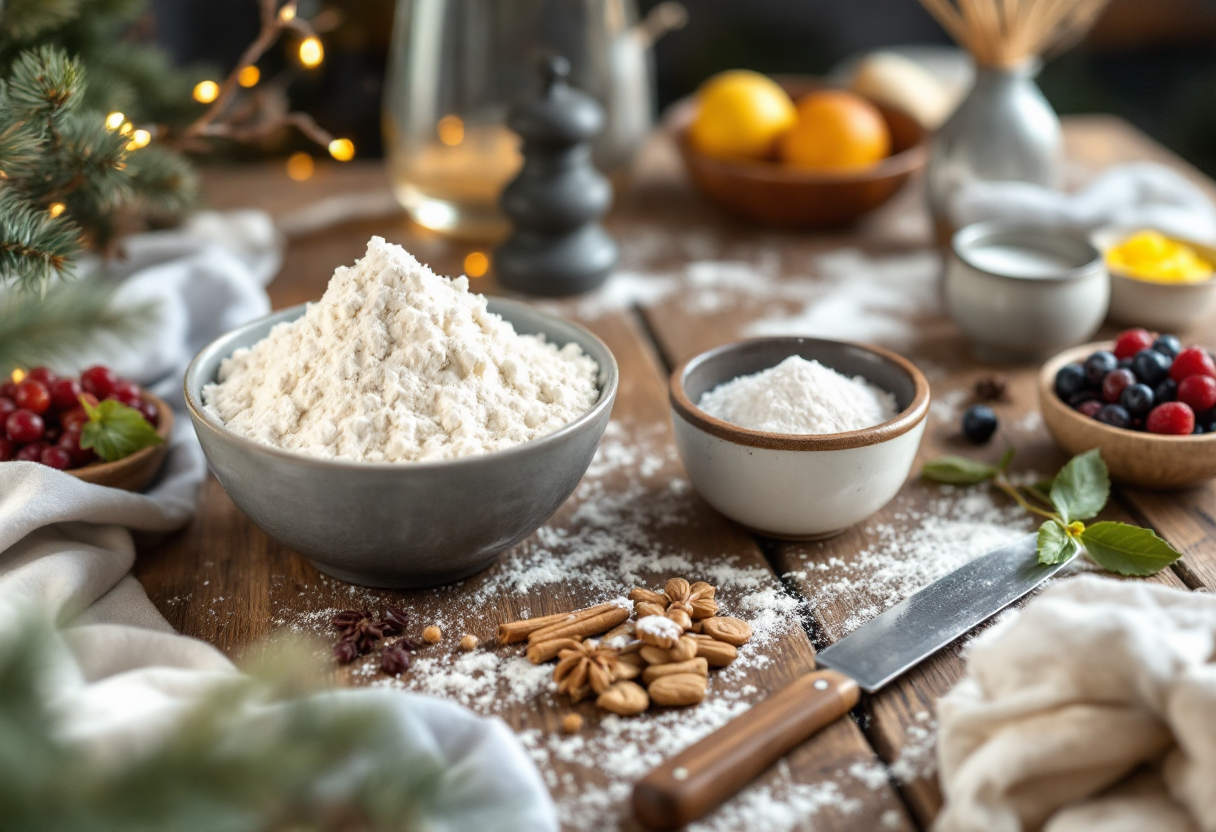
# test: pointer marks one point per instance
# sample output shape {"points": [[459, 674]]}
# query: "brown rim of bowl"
{"points": [[1117, 274], [903, 422], [1047, 392]]}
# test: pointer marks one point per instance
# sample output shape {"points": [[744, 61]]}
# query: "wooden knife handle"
{"points": [[704, 775]]}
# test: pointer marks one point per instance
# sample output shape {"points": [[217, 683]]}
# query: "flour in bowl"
{"points": [[398, 364], [799, 397]]}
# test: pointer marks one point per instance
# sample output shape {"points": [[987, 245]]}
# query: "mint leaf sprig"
{"points": [[1078, 493], [115, 431]]}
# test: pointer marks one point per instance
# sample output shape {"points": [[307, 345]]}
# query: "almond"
{"points": [[731, 630], [677, 689], [645, 608], [704, 608], [657, 671], [717, 653], [629, 665], [624, 698], [660, 631], [654, 655], [685, 649]]}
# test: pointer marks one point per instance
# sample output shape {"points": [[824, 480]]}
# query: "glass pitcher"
{"points": [[456, 67]]}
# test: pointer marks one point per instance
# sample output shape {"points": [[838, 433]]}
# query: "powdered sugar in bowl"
{"points": [[835, 427]]}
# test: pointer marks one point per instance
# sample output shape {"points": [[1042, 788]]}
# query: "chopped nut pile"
{"points": [[669, 648]]}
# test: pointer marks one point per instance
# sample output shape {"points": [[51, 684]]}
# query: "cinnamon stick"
{"points": [[513, 631], [575, 625]]}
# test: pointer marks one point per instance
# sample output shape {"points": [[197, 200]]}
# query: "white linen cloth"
{"points": [[123, 676], [1134, 195], [1095, 680]]}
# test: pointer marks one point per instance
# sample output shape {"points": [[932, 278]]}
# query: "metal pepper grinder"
{"points": [[557, 246]]}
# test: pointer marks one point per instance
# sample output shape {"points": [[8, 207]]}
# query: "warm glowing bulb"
{"points": [[56, 208], [127, 128], [114, 120], [139, 138], [342, 149], [476, 264], [206, 91], [18, 375], [288, 12], [300, 166], [451, 130], [311, 52], [249, 76]]}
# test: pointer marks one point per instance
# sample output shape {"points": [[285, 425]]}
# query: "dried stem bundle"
{"points": [[1006, 33]]}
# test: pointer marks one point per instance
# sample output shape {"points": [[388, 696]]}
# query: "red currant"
{"points": [[33, 395], [1131, 341], [7, 449], [56, 458], [1173, 418], [70, 442], [99, 381], [150, 412], [1115, 382], [8, 389], [1192, 361], [31, 452], [65, 393], [127, 392], [7, 406], [1198, 391], [46, 376], [24, 426], [73, 419]]}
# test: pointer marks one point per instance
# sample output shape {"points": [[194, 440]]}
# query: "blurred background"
{"points": [[1153, 62]]}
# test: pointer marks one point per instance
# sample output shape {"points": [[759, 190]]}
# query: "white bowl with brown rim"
{"points": [[791, 486]]}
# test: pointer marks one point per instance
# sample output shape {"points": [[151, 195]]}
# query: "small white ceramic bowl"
{"points": [[1021, 293], [1165, 307], [797, 487]]}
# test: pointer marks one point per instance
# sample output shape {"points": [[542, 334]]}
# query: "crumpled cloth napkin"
{"points": [[1134, 195], [1095, 680], [123, 676]]}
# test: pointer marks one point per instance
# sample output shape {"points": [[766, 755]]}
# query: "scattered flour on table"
{"points": [[398, 364], [799, 397]]}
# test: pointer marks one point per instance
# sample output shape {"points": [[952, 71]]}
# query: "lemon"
{"points": [[740, 115], [1150, 255]]}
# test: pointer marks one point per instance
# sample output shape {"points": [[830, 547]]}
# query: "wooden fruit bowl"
{"points": [[1146, 460], [776, 194], [133, 473]]}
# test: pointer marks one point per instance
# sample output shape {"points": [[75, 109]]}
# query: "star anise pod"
{"points": [[395, 620], [993, 388], [346, 651], [583, 667], [395, 660], [359, 626]]}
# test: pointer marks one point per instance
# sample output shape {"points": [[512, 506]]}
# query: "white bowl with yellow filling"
{"points": [[1157, 280]]}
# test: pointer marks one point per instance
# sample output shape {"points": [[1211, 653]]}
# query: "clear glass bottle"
{"points": [[455, 68]]}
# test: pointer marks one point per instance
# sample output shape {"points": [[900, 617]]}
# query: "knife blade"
{"points": [[704, 775]]}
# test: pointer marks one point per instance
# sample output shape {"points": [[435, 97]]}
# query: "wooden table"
{"points": [[691, 279]]}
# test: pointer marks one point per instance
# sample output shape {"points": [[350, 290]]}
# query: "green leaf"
{"points": [[1006, 459], [1082, 487], [958, 470], [116, 431], [1128, 550], [1055, 546]]}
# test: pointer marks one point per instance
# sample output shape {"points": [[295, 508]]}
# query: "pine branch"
{"points": [[23, 20], [44, 84], [34, 247], [64, 324], [164, 183]]}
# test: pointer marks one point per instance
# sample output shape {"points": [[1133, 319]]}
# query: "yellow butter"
{"points": [[1151, 256]]}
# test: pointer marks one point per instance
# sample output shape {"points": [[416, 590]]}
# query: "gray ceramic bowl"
{"points": [[412, 524]]}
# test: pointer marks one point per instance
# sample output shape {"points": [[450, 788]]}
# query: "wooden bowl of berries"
{"points": [[1146, 400], [99, 428]]}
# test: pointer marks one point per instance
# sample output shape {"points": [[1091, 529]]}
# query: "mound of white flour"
{"points": [[397, 364], [799, 397]]}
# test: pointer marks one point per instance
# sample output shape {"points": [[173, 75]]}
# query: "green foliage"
{"points": [[1082, 487], [1128, 550], [958, 470], [1055, 545], [115, 430], [240, 762]]}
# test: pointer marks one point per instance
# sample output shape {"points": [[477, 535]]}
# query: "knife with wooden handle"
{"points": [[706, 774]]}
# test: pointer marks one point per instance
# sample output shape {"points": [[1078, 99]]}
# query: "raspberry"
{"points": [[1173, 418], [1192, 361], [1131, 341], [1199, 392]]}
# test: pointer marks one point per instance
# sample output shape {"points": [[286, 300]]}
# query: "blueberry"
{"points": [[979, 423], [1137, 399], [1098, 365], [1069, 380], [1198, 429], [1166, 391], [1168, 345], [1125, 363], [1082, 396], [1114, 415], [1151, 367]]}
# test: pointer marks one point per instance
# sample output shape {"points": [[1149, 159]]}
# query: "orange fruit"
{"points": [[740, 114], [836, 130]]}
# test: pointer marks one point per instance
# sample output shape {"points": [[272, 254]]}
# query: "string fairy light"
{"points": [[114, 120], [312, 53], [342, 149], [450, 130], [56, 208], [206, 91], [139, 138], [249, 76], [476, 264], [300, 166]]}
